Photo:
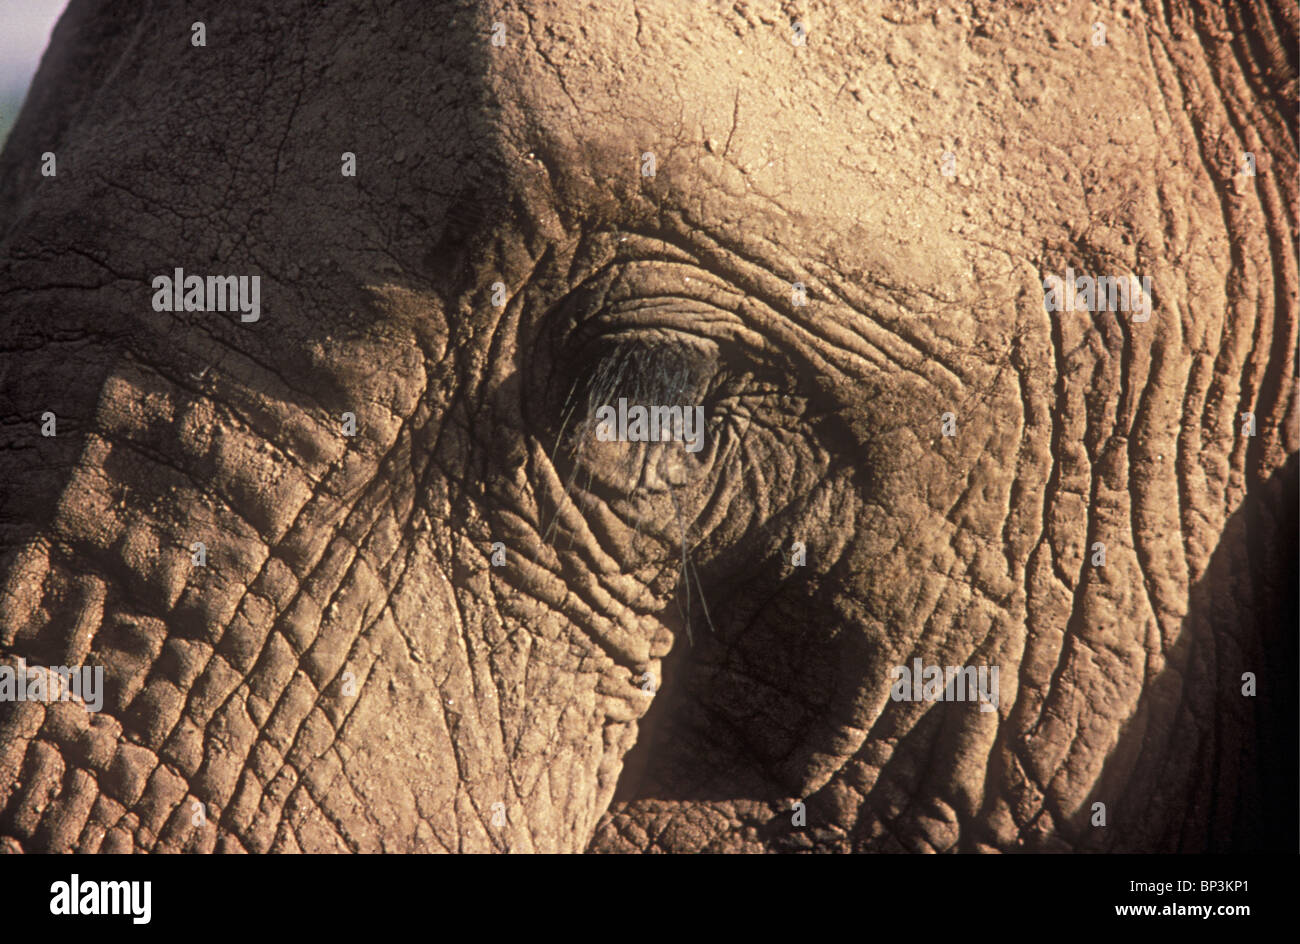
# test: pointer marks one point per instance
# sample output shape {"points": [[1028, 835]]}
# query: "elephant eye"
{"points": [[641, 412], [691, 441]]}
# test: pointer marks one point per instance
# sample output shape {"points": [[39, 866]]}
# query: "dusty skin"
{"points": [[648, 668]]}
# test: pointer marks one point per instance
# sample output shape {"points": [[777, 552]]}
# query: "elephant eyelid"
{"points": [[649, 371]]}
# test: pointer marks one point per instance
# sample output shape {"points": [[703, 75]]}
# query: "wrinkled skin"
{"points": [[350, 671]]}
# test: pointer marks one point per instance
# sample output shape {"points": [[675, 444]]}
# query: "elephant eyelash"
{"points": [[659, 367], [640, 371], [648, 372]]}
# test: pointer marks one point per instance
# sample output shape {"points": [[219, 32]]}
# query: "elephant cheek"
{"points": [[480, 725], [421, 718]]}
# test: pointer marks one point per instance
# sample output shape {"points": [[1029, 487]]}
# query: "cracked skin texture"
{"points": [[349, 672]]}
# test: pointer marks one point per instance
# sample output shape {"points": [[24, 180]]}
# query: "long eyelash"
{"points": [[704, 604], [645, 373], [688, 570], [570, 404]]}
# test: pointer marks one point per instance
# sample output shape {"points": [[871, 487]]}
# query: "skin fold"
{"points": [[473, 625]]}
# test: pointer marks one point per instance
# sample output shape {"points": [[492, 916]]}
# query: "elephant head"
{"points": [[988, 315]]}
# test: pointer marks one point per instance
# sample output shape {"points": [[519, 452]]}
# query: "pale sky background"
{"points": [[25, 27]]}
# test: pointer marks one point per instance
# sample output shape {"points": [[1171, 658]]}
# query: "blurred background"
{"points": [[25, 27]]}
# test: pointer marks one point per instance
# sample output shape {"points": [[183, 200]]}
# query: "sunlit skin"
{"points": [[439, 611]]}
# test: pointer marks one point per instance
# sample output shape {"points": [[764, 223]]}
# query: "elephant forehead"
{"points": [[700, 111], [906, 143]]}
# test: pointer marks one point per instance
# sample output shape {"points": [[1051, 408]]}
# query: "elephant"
{"points": [[333, 333]]}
